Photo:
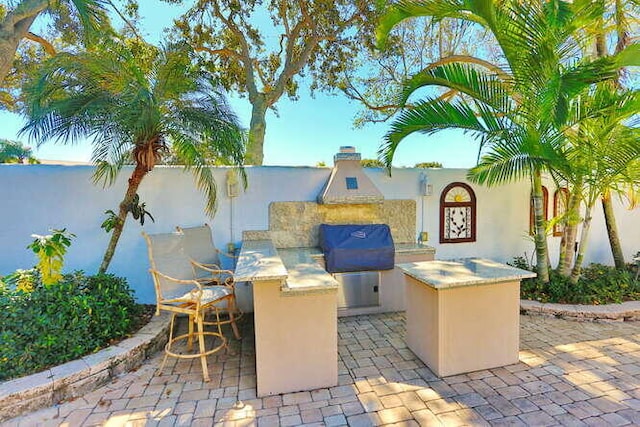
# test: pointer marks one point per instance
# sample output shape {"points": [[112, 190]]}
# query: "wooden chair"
{"points": [[179, 292], [199, 246]]}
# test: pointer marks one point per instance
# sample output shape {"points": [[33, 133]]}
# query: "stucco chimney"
{"points": [[348, 184]]}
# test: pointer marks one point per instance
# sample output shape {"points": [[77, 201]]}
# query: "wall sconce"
{"points": [[233, 187], [426, 189]]}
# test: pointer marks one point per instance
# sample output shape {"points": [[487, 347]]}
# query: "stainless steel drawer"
{"points": [[358, 289]]}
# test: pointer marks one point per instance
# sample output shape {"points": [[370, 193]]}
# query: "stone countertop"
{"points": [[444, 274], [299, 272], [305, 274], [259, 260]]}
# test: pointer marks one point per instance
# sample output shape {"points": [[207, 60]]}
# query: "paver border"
{"points": [[626, 311], [78, 377]]}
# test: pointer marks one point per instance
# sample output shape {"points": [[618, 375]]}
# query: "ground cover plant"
{"points": [[598, 284], [48, 318], [43, 326]]}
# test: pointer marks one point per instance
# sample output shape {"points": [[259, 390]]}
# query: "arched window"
{"points": [[545, 210], [457, 214], [560, 203]]}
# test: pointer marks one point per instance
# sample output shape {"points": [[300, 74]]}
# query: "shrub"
{"points": [[598, 284], [50, 325]]}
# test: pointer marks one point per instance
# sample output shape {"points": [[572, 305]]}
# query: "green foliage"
{"points": [[22, 280], [111, 221], [599, 284], [521, 262], [426, 165], [138, 210], [307, 41], [371, 163], [54, 324], [60, 25], [135, 101], [50, 250], [15, 152], [524, 107]]}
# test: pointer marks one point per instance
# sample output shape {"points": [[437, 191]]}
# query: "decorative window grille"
{"points": [[560, 203], [545, 210], [457, 214]]}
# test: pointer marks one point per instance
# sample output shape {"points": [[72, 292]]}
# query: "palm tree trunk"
{"points": [[134, 182], [13, 28], [612, 230], [257, 128], [540, 238], [568, 242], [582, 248]]}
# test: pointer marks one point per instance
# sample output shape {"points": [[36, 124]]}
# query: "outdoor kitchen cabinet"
{"points": [[463, 315], [296, 327]]}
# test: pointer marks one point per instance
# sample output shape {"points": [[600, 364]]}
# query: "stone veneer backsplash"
{"points": [[295, 224]]}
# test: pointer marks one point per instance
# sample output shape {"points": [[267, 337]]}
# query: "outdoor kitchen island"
{"points": [[296, 326], [463, 315]]}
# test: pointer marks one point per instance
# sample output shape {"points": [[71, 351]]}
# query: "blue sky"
{"points": [[304, 132]]}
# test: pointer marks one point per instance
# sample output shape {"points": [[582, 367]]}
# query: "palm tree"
{"points": [[132, 107], [517, 108], [622, 15], [603, 150], [15, 152]]}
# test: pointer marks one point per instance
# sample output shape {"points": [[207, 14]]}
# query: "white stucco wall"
{"points": [[36, 198]]}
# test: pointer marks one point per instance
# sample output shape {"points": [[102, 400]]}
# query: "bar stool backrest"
{"points": [[167, 255], [198, 244]]}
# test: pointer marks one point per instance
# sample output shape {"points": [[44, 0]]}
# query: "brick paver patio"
{"points": [[570, 373]]}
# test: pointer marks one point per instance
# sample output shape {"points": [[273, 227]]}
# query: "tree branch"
{"points": [[27, 9], [220, 52], [48, 47], [293, 65], [124, 18], [252, 88]]}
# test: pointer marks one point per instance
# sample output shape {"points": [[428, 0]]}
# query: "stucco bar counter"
{"points": [[296, 327], [463, 315]]}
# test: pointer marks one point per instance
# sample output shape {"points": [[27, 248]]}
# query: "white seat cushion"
{"points": [[209, 294]]}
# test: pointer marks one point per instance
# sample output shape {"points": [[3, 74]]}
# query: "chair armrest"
{"points": [[196, 291], [224, 277], [212, 268]]}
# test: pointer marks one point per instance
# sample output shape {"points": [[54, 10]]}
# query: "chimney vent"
{"points": [[348, 184]]}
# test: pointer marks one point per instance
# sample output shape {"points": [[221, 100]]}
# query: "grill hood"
{"points": [[348, 184]]}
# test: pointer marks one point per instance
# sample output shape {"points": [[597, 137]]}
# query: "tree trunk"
{"points": [[582, 248], [612, 231], [134, 182], [568, 242], [13, 28], [257, 128], [540, 238]]}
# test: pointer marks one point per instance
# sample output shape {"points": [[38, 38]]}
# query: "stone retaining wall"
{"points": [[78, 377], [626, 311]]}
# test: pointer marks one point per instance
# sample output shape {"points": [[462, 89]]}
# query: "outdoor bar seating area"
{"points": [[461, 315]]}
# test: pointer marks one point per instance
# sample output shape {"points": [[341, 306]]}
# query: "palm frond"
{"points": [[428, 117], [514, 156], [106, 173], [437, 9], [195, 161], [93, 15], [482, 85]]}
